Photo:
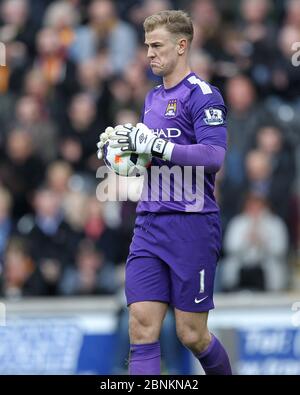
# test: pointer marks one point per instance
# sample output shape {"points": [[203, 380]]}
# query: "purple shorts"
{"points": [[173, 259]]}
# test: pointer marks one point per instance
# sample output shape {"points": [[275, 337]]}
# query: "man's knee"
{"points": [[195, 339], [143, 327]]}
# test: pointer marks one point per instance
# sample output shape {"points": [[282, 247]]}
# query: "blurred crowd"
{"points": [[74, 67]]}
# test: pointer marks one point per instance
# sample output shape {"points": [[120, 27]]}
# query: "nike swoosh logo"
{"points": [[200, 300], [146, 112]]}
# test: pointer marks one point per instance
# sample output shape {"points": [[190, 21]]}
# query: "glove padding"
{"points": [[103, 138], [138, 139]]}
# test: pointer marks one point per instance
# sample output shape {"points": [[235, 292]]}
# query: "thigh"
{"points": [[147, 276], [146, 279], [193, 262], [192, 286]]}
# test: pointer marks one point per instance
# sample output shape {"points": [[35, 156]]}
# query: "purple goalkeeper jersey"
{"points": [[192, 112]]}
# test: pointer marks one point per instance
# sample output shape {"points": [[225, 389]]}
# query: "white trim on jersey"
{"points": [[205, 88]]}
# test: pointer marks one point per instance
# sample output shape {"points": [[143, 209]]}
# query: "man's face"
{"points": [[162, 51]]}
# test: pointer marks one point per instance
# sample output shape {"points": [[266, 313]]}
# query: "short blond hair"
{"points": [[176, 22]]}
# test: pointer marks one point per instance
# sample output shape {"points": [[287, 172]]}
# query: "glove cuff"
{"points": [[162, 149]]}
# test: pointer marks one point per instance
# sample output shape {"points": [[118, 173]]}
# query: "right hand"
{"points": [[104, 137]]}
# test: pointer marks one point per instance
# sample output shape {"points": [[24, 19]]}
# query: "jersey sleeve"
{"points": [[208, 113]]}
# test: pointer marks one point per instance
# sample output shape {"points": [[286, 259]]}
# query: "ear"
{"points": [[182, 46]]}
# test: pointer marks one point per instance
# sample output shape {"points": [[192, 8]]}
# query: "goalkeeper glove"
{"points": [[104, 137], [140, 140]]}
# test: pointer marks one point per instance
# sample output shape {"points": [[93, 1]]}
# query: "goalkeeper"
{"points": [[174, 251]]}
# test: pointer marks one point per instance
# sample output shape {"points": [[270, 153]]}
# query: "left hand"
{"points": [[129, 138], [138, 139]]}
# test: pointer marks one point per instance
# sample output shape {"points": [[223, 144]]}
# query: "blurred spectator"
{"points": [[20, 277], [59, 72], [53, 242], [105, 30], [151, 7], [259, 33], [202, 65], [267, 176], [121, 92], [75, 205], [280, 155], [41, 129], [207, 26], [107, 239], [285, 76], [64, 18], [135, 75], [36, 86], [245, 115], [292, 17], [21, 171], [93, 275], [126, 115], [256, 244], [17, 32], [7, 105], [139, 12], [93, 82], [6, 223], [258, 172], [58, 177], [255, 23], [16, 24], [79, 133]]}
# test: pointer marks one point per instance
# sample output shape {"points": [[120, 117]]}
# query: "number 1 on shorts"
{"points": [[202, 273]]}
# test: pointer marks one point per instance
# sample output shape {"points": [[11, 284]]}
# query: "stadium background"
{"points": [[74, 67]]}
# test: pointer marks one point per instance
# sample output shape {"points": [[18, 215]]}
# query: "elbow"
{"points": [[217, 165], [217, 156], [214, 168]]}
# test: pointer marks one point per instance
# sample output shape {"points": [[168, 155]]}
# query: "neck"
{"points": [[176, 76]]}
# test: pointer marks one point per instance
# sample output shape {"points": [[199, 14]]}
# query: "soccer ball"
{"points": [[128, 164]]}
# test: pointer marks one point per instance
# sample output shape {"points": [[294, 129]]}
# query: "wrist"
{"points": [[162, 149]]}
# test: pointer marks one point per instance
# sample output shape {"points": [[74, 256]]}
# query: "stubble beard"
{"points": [[158, 70]]}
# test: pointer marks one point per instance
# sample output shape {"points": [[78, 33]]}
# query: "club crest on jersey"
{"points": [[171, 110], [213, 117]]}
